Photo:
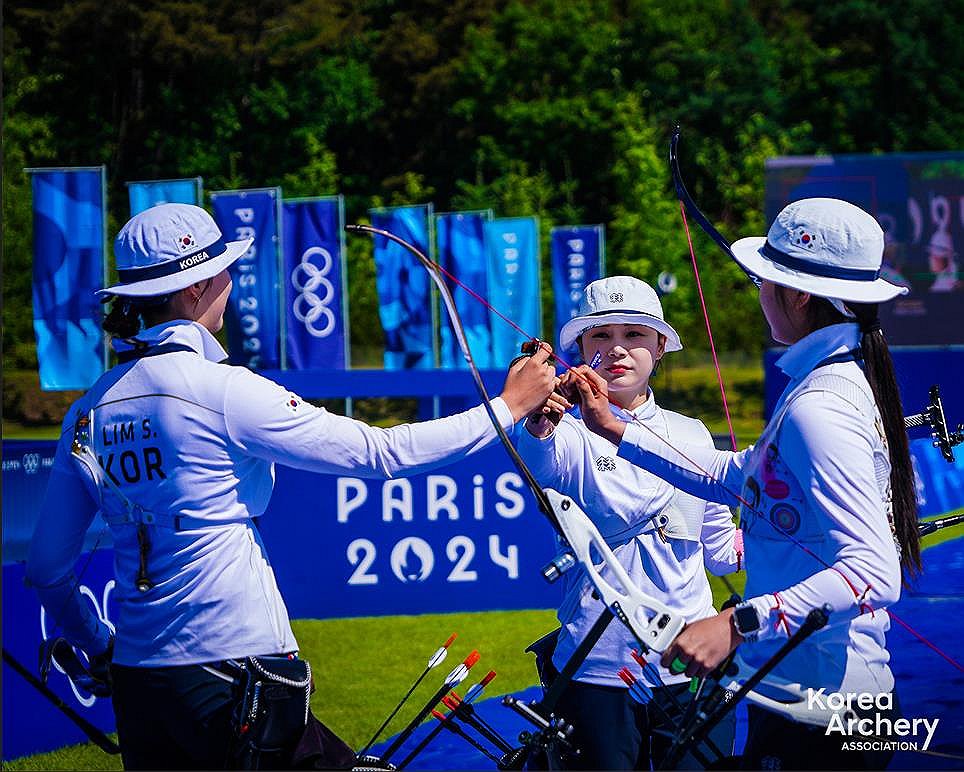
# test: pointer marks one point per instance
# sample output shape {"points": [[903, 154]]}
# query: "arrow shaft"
{"points": [[391, 715], [413, 724]]}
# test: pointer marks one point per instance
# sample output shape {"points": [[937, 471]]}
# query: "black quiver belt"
{"points": [[274, 726]]}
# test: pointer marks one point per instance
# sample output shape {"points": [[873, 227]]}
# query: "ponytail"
{"points": [[128, 315], [124, 319], [879, 370]]}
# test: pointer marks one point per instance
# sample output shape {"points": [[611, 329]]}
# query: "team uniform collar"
{"points": [[642, 413], [179, 331], [806, 353]]}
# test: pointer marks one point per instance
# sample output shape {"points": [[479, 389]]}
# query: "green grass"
{"points": [[362, 667], [17, 431]]}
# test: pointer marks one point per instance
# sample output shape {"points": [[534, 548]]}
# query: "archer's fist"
{"points": [[529, 382]]}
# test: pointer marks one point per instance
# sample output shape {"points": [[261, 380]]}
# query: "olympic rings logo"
{"points": [[310, 308], [31, 463]]}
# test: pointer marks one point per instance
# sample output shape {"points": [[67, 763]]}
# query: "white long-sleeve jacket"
{"points": [[182, 435], [817, 527]]}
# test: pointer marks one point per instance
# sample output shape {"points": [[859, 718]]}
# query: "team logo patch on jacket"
{"points": [[606, 464]]}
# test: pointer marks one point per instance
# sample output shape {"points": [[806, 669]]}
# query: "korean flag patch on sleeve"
{"points": [[293, 402]]}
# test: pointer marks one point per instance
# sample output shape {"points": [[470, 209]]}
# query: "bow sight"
{"points": [[933, 416]]}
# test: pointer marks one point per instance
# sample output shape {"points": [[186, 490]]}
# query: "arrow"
{"points": [[465, 712], [436, 659], [453, 679], [448, 722], [472, 694]]}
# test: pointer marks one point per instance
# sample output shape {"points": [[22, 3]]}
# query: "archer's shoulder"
{"points": [[686, 428]]}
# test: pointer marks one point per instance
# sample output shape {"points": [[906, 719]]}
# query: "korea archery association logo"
{"points": [[315, 292], [868, 722]]}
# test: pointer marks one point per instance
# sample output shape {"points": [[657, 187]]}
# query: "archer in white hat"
{"points": [[663, 537], [826, 493], [176, 452]]}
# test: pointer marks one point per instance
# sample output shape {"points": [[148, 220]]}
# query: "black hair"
{"points": [[127, 315], [879, 370]]}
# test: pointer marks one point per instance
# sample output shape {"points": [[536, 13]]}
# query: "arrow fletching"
{"points": [[460, 673], [650, 671], [439, 656], [637, 690], [474, 692]]}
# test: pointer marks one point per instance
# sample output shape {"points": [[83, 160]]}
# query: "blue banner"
{"points": [[68, 266], [513, 271], [254, 316], [316, 324], [145, 194], [467, 536], [461, 252], [30, 723], [404, 287], [578, 258]]}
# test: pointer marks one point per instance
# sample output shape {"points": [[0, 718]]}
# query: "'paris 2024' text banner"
{"points": [[513, 272], [461, 252], [316, 322], [68, 267], [254, 336], [467, 536], [578, 258], [404, 287], [147, 193]]}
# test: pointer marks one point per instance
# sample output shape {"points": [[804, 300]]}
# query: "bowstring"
{"points": [[709, 328]]}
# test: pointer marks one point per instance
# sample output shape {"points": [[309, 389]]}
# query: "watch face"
{"points": [[746, 619]]}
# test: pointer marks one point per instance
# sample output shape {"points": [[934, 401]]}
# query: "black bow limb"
{"points": [[694, 211]]}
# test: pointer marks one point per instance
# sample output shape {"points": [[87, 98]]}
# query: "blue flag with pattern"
{"points": [[254, 313], [316, 334], [513, 272], [68, 266], [404, 288], [461, 252], [147, 193], [578, 258]]}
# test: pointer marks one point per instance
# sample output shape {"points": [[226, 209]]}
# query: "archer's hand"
{"points": [[593, 393], [546, 418], [101, 684], [704, 644], [529, 382]]}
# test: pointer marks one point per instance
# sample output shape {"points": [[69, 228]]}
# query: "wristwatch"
{"points": [[746, 621]]}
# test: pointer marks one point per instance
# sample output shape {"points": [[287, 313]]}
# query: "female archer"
{"points": [[828, 506], [661, 536], [195, 587]]}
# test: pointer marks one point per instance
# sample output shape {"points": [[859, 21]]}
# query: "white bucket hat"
{"points": [[823, 246], [618, 300], [169, 247]]}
